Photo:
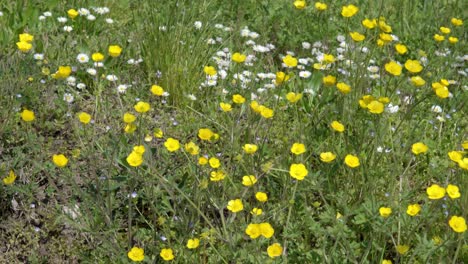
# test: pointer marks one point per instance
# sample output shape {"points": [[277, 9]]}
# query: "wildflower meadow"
{"points": [[240, 131]]}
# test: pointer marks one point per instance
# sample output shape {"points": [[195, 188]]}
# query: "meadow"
{"points": [[240, 131]]}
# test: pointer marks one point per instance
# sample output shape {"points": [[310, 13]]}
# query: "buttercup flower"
{"points": [[10, 179], [444, 30], [97, 57], [193, 243], [393, 68], [352, 161], [419, 148], [356, 36], [281, 77], [293, 97], [343, 88], [417, 81], [209, 70], [25, 37], [329, 80], [238, 99], [253, 231], [320, 6], [214, 162], [235, 205], [172, 144], [298, 171], [337, 126], [27, 115], [250, 148], [192, 148], [114, 50], [135, 159], [458, 224], [72, 13], [256, 211], [60, 160], [167, 254], [385, 211], [413, 209], [206, 134], [129, 118], [225, 107], [349, 10], [157, 90], [455, 155], [266, 230], [435, 192], [456, 22], [401, 49], [300, 4], [24, 46], [375, 107], [239, 58], [368, 23], [249, 180], [290, 61], [298, 148], [84, 117], [142, 107], [274, 250], [453, 191], [261, 197], [217, 175], [136, 254], [402, 249], [327, 157], [413, 66]]}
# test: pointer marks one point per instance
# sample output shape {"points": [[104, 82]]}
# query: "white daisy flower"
{"points": [[82, 58], [112, 77], [197, 24], [109, 21], [90, 17], [305, 74], [67, 28], [83, 12], [62, 19], [38, 56], [81, 86], [68, 98], [122, 88], [91, 71]]}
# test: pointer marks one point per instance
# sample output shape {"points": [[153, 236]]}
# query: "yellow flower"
{"points": [[375, 107], [130, 128], [453, 40], [329, 80], [290, 61], [225, 107], [250, 148], [266, 112], [327, 157], [193, 243], [167, 254], [239, 58], [256, 211], [370, 24], [158, 133], [249, 180], [453, 191], [261, 197], [384, 26], [458, 224], [214, 163], [343, 88], [217, 175], [140, 149], [300, 4], [157, 90], [366, 100], [25, 37], [274, 250], [238, 99], [385, 211], [435, 192], [72, 13], [417, 81], [413, 66], [84, 117], [136, 254], [135, 159], [419, 148], [10, 179], [205, 134], [455, 155], [402, 249], [129, 118], [456, 22], [356, 36], [97, 57], [60, 160], [114, 50], [442, 92], [444, 30], [385, 37], [337, 126], [401, 49], [281, 77], [192, 148], [235, 205], [209, 70], [438, 38], [62, 73], [437, 240], [266, 230], [172, 144], [465, 144], [298, 148], [298, 171], [393, 68], [386, 261], [253, 231], [383, 100], [320, 6], [352, 161], [413, 209], [27, 115], [293, 97], [349, 10], [202, 161], [142, 107]]}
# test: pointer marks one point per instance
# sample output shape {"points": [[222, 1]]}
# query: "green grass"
{"points": [[331, 216]]}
